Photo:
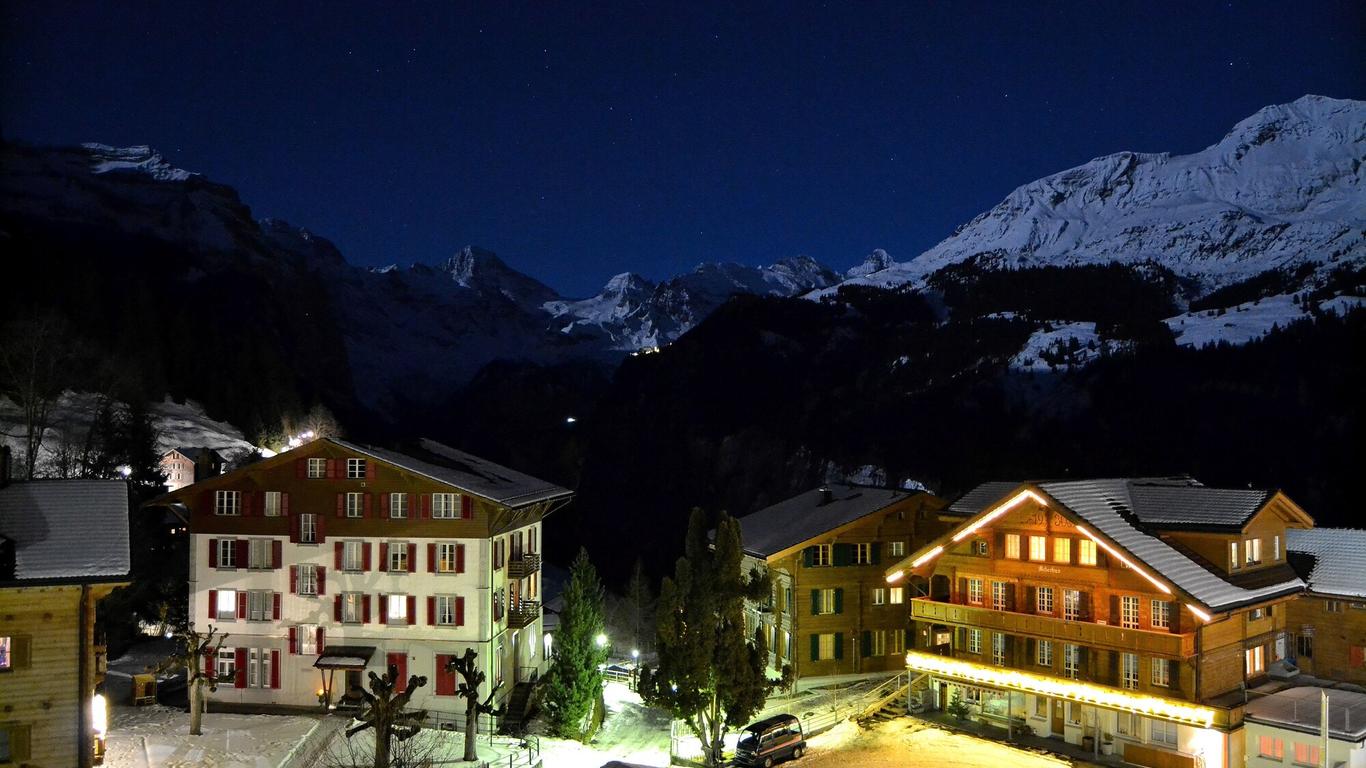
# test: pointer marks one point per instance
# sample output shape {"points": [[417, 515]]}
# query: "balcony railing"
{"points": [[1054, 628], [524, 565], [524, 613]]}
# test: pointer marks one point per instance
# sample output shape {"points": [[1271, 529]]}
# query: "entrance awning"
{"points": [[345, 657]]}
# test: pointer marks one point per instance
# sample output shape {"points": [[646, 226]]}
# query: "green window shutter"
{"points": [[815, 647], [808, 556], [843, 554], [839, 600], [867, 643], [839, 646], [877, 552], [815, 601]]}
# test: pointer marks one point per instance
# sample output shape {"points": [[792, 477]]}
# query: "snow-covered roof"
{"points": [[1171, 505], [1339, 559], [1298, 709], [67, 530], [808, 515], [466, 471], [978, 498]]}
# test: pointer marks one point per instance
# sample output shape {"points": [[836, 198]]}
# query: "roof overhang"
{"points": [[345, 657]]}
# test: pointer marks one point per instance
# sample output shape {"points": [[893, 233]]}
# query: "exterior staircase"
{"points": [[890, 710], [514, 716]]}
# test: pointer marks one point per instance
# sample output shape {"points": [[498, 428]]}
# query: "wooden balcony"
{"points": [[1052, 628], [524, 613], [523, 566]]}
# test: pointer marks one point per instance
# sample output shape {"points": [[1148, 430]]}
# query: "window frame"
{"points": [[896, 595], [1071, 661], [227, 503], [445, 610], [447, 551], [1062, 550], [354, 506], [1086, 552], [1271, 748], [227, 554], [1128, 611], [1128, 671], [398, 505], [998, 648], [1012, 547], [825, 601], [355, 469], [262, 602], [879, 596], [1043, 600], [1169, 735], [398, 556], [823, 556], [273, 505], [1038, 549], [226, 660], [863, 553], [308, 528], [307, 637], [353, 607], [896, 548], [975, 594], [822, 653], [316, 469], [1000, 598], [1160, 672], [1071, 604], [307, 576], [445, 506], [353, 556], [1043, 653], [1160, 614], [396, 617], [974, 640]]}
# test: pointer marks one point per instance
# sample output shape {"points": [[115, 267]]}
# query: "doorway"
{"points": [[1057, 717]]}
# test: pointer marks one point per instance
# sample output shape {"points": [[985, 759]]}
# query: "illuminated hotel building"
{"points": [[1125, 616]]}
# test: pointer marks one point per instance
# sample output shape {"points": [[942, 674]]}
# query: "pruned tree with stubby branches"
{"points": [[471, 677], [386, 711], [195, 647]]}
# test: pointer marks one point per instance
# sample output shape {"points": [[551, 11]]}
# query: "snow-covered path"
{"points": [[632, 733], [159, 737], [911, 743]]}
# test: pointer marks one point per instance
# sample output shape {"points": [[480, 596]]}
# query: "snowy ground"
{"points": [[1252, 320], [632, 733], [159, 737], [1057, 338], [909, 743]]}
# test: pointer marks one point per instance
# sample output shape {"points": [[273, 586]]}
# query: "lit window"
{"points": [[863, 554], [1043, 653], [974, 641], [273, 504], [398, 609], [353, 556], [898, 549], [1233, 555], [1128, 612], [308, 580], [825, 601], [1254, 660], [227, 553], [317, 468], [1271, 748], [1071, 660], [1013, 546], [1086, 552], [445, 610], [999, 595], [1071, 604], [308, 639], [787, 645], [308, 528], [1163, 732], [355, 469], [1162, 672], [1162, 614], [6, 658], [975, 591], [446, 558], [1074, 712], [353, 607], [1306, 754], [1252, 551], [227, 663], [820, 555], [443, 506], [896, 644], [1333, 606], [1044, 599], [398, 558], [1038, 548], [879, 595], [826, 647], [355, 505], [227, 503], [877, 640], [1126, 723], [398, 505], [1062, 550], [998, 649], [980, 548], [897, 595], [1128, 668]]}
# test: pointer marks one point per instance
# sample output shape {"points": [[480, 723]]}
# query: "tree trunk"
{"points": [[471, 729], [196, 707], [381, 748]]}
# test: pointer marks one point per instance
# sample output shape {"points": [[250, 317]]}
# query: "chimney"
{"points": [[826, 495]]}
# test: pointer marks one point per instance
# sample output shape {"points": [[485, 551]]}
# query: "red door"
{"points": [[399, 660]]}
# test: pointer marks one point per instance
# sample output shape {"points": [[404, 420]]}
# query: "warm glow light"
{"points": [[99, 715], [1124, 560], [895, 576], [1111, 698], [1199, 614], [933, 553], [1001, 510], [601, 640]]}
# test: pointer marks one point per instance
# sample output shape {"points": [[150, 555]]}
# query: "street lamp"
{"points": [[601, 640]]}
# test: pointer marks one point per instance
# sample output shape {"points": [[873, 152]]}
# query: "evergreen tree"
{"points": [[640, 607], [574, 684], [710, 675]]}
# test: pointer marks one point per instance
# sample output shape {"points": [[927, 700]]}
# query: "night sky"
{"points": [[581, 140]]}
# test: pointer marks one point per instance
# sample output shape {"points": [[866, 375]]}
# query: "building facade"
{"points": [[186, 466], [1328, 622], [335, 559], [1125, 616], [830, 611], [1287, 727], [63, 548]]}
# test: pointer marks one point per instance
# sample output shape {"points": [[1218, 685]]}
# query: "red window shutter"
{"points": [[459, 558], [412, 557], [321, 522], [322, 580], [384, 504], [365, 609], [213, 553], [241, 604], [336, 607], [426, 506], [284, 503], [383, 609], [243, 552], [341, 505], [322, 639], [366, 511], [210, 666], [399, 661], [213, 604], [293, 579], [460, 611], [294, 641], [240, 680], [383, 556], [301, 468], [466, 506], [277, 549], [431, 558], [431, 611], [275, 669], [339, 550], [370, 469], [365, 555], [412, 610], [295, 525], [275, 606], [331, 469]]}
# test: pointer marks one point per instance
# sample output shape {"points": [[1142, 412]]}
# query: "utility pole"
{"points": [[1323, 728]]}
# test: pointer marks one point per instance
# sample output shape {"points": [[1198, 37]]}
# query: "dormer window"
{"points": [[1233, 555], [980, 548], [1252, 551]]}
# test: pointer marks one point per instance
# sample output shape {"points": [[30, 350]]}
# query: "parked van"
{"points": [[769, 741]]}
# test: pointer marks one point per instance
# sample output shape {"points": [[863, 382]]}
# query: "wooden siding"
{"points": [[1333, 633]]}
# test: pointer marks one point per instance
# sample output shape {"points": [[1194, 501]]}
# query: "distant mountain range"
{"points": [[1284, 193]]}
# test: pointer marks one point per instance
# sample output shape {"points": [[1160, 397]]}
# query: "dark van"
{"points": [[769, 741]]}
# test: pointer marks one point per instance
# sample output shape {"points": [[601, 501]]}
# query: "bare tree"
{"points": [[386, 712], [195, 648], [471, 677], [34, 352]]}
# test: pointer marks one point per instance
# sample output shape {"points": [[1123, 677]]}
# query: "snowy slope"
{"points": [[1285, 187], [1251, 320]]}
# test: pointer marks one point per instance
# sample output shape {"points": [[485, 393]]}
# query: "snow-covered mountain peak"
{"points": [[481, 270], [138, 159], [876, 261]]}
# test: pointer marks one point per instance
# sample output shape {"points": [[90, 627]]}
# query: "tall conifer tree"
{"points": [[574, 685]]}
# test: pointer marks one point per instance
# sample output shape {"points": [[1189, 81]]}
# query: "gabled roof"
{"points": [[1108, 507], [1337, 565], [807, 515], [73, 531], [1196, 507], [198, 453], [978, 498], [465, 471]]}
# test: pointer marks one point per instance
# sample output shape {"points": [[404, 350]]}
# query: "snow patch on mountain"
{"points": [[1251, 320], [1064, 345], [139, 159], [876, 261]]}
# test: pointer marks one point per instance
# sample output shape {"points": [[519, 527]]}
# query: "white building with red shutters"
{"points": [[336, 559]]}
